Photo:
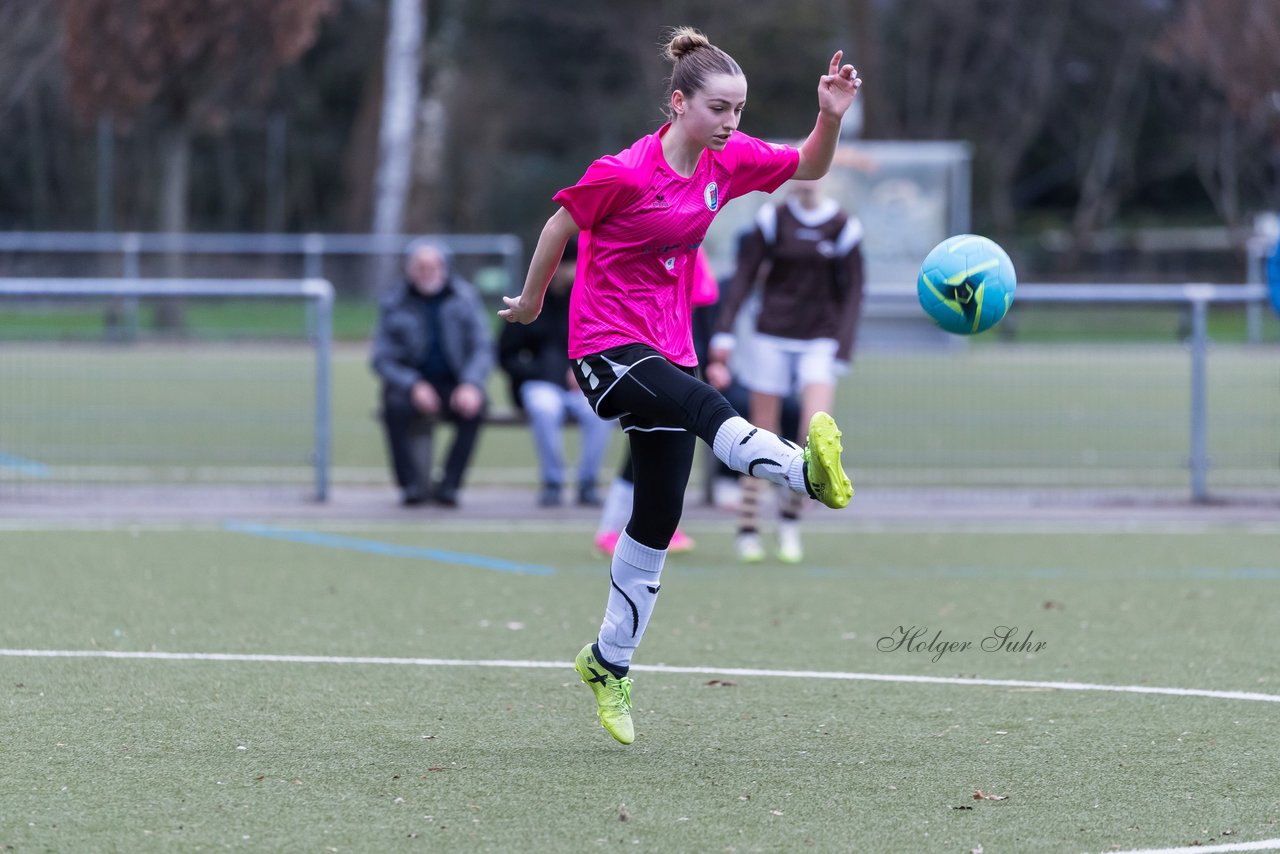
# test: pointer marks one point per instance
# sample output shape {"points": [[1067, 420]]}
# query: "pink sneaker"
{"points": [[607, 542], [681, 542]]}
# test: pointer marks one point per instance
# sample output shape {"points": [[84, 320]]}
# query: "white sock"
{"points": [[617, 506], [759, 453], [633, 592]]}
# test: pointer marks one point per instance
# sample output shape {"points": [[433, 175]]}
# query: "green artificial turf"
{"points": [[158, 754]]}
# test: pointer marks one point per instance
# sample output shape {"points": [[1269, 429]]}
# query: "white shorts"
{"points": [[782, 366]]}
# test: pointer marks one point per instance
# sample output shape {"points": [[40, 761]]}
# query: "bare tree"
{"points": [[1035, 39], [402, 67], [28, 55], [1113, 134], [188, 62], [990, 71], [1226, 56]]}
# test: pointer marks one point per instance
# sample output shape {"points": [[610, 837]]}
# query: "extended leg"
{"points": [[662, 462]]}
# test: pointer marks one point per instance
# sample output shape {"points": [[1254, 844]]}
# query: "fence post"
{"points": [[1199, 461], [313, 256], [1255, 274], [312, 268], [131, 248], [323, 332]]}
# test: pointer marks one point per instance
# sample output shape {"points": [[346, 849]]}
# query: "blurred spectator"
{"points": [[805, 255], [536, 359], [433, 352]]}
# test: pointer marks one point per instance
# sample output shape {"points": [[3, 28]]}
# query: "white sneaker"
{"points": [[789, 548], [749, 548]]}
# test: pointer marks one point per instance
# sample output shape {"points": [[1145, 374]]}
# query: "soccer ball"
{"points": [[966, 284]]}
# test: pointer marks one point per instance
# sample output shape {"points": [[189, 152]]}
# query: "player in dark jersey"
{"points": [[805, 257]]}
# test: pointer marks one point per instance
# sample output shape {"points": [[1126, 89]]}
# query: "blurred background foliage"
{"points": [[1085, 116]]}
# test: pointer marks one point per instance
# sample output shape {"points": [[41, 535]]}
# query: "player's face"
{"points": [[712, 114]]}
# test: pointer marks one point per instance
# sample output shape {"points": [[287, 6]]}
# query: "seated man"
{"points": [[433, 352], [536, 358]]}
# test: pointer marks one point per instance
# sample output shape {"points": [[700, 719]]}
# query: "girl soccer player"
{"points": [[641, 215]]}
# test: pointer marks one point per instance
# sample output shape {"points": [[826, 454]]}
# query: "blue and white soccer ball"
{"points": [[966, 284]]}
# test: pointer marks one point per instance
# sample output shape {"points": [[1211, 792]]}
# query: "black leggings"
{"points": [[687, 408]]}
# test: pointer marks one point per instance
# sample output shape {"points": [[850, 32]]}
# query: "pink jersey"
{"points": [[706, 290], [642, 224]]}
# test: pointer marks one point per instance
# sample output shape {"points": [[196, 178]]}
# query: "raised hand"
{"points": [[837, 87]]}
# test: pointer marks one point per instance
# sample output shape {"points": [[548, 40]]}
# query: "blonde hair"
{"points": [[695, 59]]}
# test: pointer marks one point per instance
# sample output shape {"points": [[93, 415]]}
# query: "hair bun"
{"points": [[683, 41]]}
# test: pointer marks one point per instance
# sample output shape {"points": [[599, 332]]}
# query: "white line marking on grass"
{"points": [[646, 668], [551, 527], [1261, 845]]}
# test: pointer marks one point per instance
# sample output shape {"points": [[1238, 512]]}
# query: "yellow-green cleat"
{"points": [[613, 696], [823, 475]]}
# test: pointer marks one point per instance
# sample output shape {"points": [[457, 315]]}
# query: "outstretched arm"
{"points": [[836, 90], [546, 257]]}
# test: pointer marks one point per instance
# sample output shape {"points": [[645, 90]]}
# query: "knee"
{"points": [[474, 419], [541, 400], [654, 529], [709, 409]]}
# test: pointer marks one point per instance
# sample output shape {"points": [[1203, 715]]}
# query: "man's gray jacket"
{"points": [[401, 340]]}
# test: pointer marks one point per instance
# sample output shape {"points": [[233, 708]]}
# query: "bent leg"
{"points": [[466, 432], [407, 434], [661, 393]]}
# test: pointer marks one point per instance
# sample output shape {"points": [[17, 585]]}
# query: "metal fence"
{"points": [[1007, 410], [1178, 411], [492, 261], [100, 410]]}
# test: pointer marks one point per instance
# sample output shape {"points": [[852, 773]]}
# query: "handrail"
{"points": [[248, 243]]}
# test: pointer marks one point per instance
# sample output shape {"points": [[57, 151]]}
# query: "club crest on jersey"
{"points": [[712, 196]]}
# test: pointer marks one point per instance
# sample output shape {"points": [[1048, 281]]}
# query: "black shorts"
{"points": [[600, 373]]}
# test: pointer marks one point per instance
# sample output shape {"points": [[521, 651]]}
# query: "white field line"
{"points": [[1260, 845], [650, 668], [878, 525]]}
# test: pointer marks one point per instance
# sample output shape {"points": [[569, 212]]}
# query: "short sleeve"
{"points": [[603, 189], [759, 165]]}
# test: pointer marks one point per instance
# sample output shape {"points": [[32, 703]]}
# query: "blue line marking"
{"points": [[1237, 573], [376, 547], [23, 465]]}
